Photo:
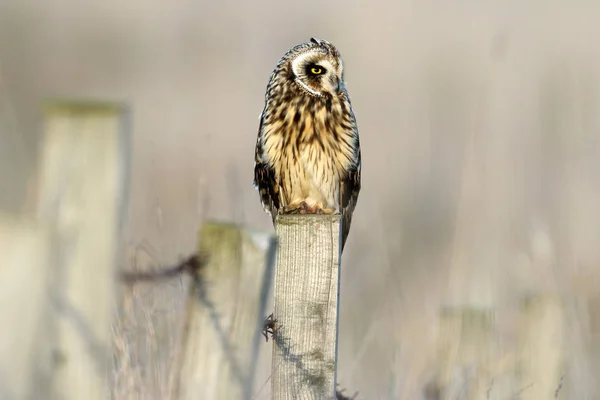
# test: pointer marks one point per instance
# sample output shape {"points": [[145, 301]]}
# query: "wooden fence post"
{"points": [[24, 246], [465, 351], [541, 362], [83, 180], [224, 316], [306, 307]]}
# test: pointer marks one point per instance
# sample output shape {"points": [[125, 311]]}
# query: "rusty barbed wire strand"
{"points": [[270, 328], [339, 395], [191, 265]]}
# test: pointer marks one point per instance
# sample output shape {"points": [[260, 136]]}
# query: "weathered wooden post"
{"points": [[24, 245], [465, 352], [306, 307], [83, 179], [541, 347], [224, 316]]}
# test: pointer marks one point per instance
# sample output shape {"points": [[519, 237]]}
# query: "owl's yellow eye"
{"points": [[315, 69]]}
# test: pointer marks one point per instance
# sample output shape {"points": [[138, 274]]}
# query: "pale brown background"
{"points": [[480, 133]]}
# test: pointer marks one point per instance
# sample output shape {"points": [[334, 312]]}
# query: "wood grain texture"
{"points": [[83, 174], [24, 245], [306, 307], [224, 316]]}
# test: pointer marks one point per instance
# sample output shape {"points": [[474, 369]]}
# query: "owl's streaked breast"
{"points": [[303, 146]]}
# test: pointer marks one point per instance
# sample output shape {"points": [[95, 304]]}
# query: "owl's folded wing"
{"points": [[349, 189], [265, 182]]}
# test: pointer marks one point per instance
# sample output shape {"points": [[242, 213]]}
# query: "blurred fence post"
{"points": [[471, 367], [83, 179], [224, 316], [465, 351], [541, 358], [24, 246], [306, 307]]}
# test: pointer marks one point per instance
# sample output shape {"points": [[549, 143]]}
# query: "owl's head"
{"points": [[317, 68]]}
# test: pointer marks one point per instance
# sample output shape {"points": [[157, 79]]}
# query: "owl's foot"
{"points": [[303, 208], [326, 211], [297, 208], [318, 209]]}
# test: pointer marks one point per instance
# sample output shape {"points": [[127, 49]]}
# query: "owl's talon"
{"points": [[295, 208], [303, 208]]}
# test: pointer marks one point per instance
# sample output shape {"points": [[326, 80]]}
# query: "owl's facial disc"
{"points": [[318, 74]]}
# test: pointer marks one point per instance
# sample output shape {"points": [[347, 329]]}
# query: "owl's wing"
{"points": [[265, 182], [349, 189]]}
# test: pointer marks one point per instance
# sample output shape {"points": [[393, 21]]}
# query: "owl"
{"points": [[307, 157]]}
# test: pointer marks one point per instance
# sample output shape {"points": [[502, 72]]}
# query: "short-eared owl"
{"points": [[307, 156]]}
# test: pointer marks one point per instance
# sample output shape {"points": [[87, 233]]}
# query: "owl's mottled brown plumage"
{"points": [[307, 156]]}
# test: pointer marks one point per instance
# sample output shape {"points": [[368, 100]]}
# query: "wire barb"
{"points": [[270, 327]]}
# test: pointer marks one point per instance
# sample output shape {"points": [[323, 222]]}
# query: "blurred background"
{"points": [[480, 135]]}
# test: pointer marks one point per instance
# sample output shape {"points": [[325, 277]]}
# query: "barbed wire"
{"points": [[192, 265], [339, 395], [270, 328]]}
